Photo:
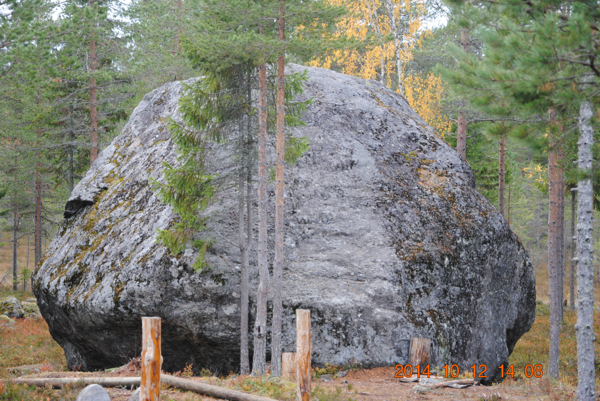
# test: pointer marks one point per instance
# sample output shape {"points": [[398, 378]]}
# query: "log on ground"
{"points": [[171, 381]]}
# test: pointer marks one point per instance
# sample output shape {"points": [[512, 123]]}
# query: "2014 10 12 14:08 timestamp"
{"points": [[479, 371]]}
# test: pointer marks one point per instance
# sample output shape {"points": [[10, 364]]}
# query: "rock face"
{"points": [[11, 307], [386, 239]]}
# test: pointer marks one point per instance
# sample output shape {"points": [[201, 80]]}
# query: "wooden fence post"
{"points": [[151, 359], [288, 366], [420, 352], [303, 354]]}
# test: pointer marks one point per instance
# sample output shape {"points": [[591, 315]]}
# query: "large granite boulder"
{"points": [[386, 239]]}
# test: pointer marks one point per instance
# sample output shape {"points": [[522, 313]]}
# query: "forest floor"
{"points": [[29, 342]]}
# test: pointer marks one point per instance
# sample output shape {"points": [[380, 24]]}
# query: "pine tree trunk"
{"points": [[245, 363], [279, 205], [508, 211], [392, 16], [71, 154], [260, 325], [15, 232], [242, 242], [597, 257], [375, 18], [461, 135], [179, 33], [573, 262], [561, 234], [247, 242], [93, 100], [585, 278], [38, 197], [461, 132], [26, 263], [501, 176], [553, 261], [14, 244]]}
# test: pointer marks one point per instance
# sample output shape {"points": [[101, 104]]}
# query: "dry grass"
{"points": [[532, 348], [28, 343], [541, 285]]}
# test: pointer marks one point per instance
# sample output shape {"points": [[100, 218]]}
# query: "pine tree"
{"points": [[156, 30], [538, 72], [27, 57], [244, 35], [90, 53], [3, 213], [279, 203]]}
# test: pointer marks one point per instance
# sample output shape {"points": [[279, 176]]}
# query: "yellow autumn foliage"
{"points": [[425, 95], [538, 173], [370, 21]]}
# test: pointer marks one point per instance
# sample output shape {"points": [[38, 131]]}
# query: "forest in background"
{"points": [[72, 72], [48, 122]]}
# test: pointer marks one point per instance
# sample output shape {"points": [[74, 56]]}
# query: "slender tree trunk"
{"points": [[573, 262], [394, 27], [597, 257], [538, 236], [279, 205], [375, 18], [26, 264], [179, 33], [561, 234], [247, 242], [38, 196], [71, 154], [245, 363], [242, 241], [15, 232], [508, 212], [260, 325], [93, 100], [382, 67], [501, 176], [554, 193], [585, 278], [556, 196], [28, 249], [461, 135], [461, 132]]}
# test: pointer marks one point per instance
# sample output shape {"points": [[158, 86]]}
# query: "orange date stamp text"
{"points": [[479, 371]]}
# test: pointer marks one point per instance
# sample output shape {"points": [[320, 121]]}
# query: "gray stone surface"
{"points": [[30, 309], [11, 307], [93, 392], [386, 239], [136, 395]]}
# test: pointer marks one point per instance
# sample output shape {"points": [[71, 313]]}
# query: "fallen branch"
{"points": [[171, 381], [58, 382], [210, 390], [455, 383]]}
